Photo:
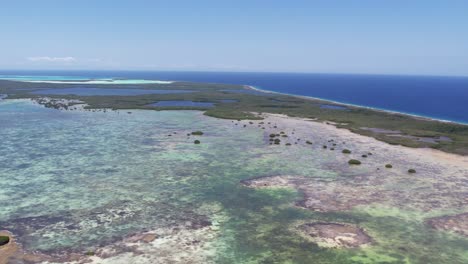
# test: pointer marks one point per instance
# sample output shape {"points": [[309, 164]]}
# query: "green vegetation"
{"points": [[197, 133], [4, 240], [388, 166], [354, 162], [355, 119], [346, 151], [197, 141], [411, 171]]}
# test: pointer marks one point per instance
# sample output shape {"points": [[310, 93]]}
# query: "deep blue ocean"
{"points": [[444, 98]]}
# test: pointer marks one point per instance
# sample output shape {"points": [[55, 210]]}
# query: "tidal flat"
{"points": [[414, 131], [130, 186]]}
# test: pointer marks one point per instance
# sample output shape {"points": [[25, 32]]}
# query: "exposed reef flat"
{"points": [[347, 193], [435, 192], [186, 243], [179, 244], [441, 182], [183, 239]]}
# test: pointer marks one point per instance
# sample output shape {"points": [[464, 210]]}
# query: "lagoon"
{"points": [[105, 91], [77, 80]]}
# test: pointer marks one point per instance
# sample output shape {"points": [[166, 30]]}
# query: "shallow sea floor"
{"points": [[132, 187], [77, 80]]}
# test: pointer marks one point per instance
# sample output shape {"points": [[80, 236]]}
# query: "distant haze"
{"points": [[388, 37]]}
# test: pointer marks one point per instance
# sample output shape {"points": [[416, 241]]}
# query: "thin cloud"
{"points": [[93, 60], [51, 59]]}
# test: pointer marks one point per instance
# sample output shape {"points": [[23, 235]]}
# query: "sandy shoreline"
{"points": [[300, 123], [357, 106]]}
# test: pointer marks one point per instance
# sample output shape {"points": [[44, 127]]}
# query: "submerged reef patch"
{"points": [[133, 194], [455, 223], [334, 235], [346, 193]]}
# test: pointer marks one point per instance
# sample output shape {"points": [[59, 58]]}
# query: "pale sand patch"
{"points": [[181, 244], [305, 127], [190, 242], [164, 246], [440, 183], [104, 82]]}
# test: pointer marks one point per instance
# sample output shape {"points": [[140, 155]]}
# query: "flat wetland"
{"points": [[114, 179]]}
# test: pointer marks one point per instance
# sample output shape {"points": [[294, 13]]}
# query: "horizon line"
{"points": [[240, 71]]}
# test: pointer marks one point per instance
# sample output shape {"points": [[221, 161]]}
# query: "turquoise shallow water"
{"points": [[76, 79], [42, 78], [101, 91], [72, 181]]}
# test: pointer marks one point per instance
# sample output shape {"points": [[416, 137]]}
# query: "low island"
{"points": [[166, 172]]}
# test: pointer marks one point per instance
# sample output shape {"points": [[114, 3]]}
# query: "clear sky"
{"points": [[390, 37]]}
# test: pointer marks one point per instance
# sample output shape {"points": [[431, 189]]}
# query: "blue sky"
{"points": [[390, 37]]}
